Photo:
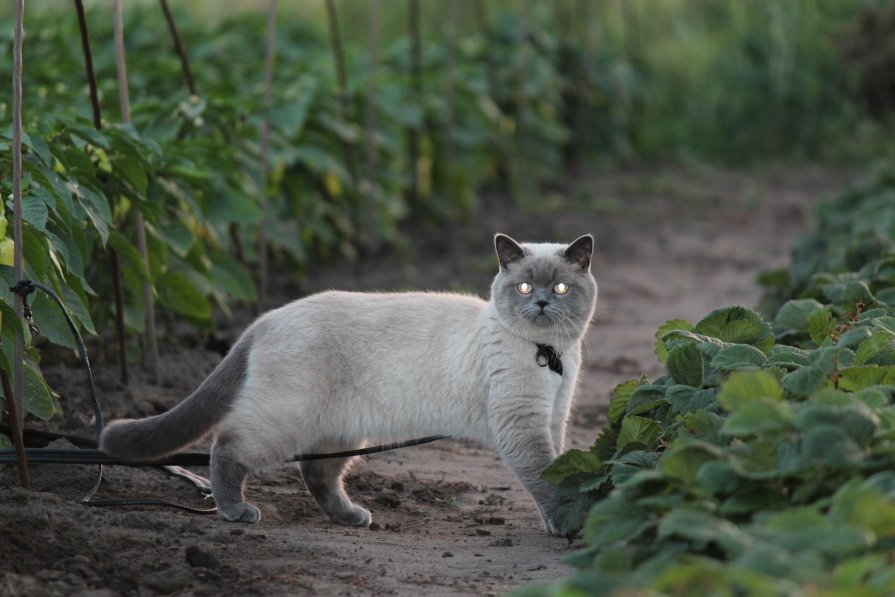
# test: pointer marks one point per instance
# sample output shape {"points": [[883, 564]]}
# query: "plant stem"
{"points": [[15, 399], [416, 91], [344, 104], [265, 137], [181, 50], [124, 99], [113, 256]]}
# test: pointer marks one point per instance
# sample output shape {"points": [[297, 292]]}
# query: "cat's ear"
{"points": [[580, 252], [508, 250]]}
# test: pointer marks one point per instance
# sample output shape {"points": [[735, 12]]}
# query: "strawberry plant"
{"points": [[761, 463]]}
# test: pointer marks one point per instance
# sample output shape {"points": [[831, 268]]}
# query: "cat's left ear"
{"points": [[580, 252], [508, 250]]}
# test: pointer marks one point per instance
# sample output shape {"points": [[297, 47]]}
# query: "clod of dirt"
{"points": [[169, 581], [505, 542], [447, 554], [388, 500], [374, 526], [199, 558], [482, 532]]}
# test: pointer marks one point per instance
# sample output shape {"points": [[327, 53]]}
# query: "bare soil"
{"points": [[449, 517]]}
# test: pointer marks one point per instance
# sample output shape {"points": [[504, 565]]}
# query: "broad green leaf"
{"points": [[701, 528], [34, 211], [793, 315], [38, 399], [856, 378], [97, 208], [5, 442], [687, 399], [741, 387], [570, 463], [806, 380], [645, 398], [668, 326], [177, 293], [618, 405], [637, 430], [615, 519], [738, 356], [758, 415], [738, 325], [624, 467], [827, 445], [231, 277], [878, 349], [684, 459], [821, 325], [685, 365], [37, 254], [51, 321]]}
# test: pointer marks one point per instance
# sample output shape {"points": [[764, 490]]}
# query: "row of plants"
{"points": [[763, 462], [191, 162]]}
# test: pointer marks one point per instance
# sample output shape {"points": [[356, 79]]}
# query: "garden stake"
{"points": [[370, 117], [16, 397], [344, 105], [124, 99], [416, 92], [265, 135], [178, 46], [113, 255], [15, 430]]}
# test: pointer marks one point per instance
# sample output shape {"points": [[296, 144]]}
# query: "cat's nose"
{"points": [[542, 303]]}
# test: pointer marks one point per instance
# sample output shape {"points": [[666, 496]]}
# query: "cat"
{"points": [[334, 370]]}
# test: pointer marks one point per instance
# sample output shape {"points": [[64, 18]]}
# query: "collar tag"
{"points": [[548, 357]]}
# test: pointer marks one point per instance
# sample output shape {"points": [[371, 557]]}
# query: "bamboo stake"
{"points": [[344, 104], [15, 398], [416, 90], [265, 136], [124, 99], [370, 116], [113, 256], [179, 47]]}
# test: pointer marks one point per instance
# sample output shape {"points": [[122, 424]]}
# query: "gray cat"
{"points": [[336, 370]]}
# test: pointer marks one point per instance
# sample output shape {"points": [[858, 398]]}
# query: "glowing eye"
{"points": [[524, 288], [561, 288]]}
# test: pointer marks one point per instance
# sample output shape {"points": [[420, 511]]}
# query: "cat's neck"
{"points": [[561, 336]]}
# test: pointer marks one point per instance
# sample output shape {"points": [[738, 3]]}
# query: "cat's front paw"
{"points": [[354, 516]]}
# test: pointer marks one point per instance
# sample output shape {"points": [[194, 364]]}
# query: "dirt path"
{"points": [[449, 517]]}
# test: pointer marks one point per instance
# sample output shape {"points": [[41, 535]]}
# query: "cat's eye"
{"points": [[560, 288], [524, 288]]}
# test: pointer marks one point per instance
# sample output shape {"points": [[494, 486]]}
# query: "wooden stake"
{"points": [[124, 99], [181, 50], [113, 256], [344, 103], [370, 105], [15, 397], [265, 136], [416, 90]]}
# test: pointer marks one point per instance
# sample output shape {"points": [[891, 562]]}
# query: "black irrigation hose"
{"points": [[86, 453]]}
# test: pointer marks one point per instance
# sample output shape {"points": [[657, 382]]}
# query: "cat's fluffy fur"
{"points": [[336, 370]]}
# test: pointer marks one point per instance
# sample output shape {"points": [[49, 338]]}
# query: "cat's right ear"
{"points": [[508, 250]]}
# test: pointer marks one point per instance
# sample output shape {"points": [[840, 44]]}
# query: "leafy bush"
{"points": [[762, 462]]}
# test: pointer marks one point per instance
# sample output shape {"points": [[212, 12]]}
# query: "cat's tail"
{"points": [[155, 437]]}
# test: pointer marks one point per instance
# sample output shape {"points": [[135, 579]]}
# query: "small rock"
{"points": [[374, 526], [199, 558], [344, 574], [495, 520], [387, 500], [482, 532], [237, 532], [447, 554], [505, 542], [397, 486]]}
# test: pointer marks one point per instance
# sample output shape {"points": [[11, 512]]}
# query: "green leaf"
{"points": [[51, 322], [821, 325], [177, 236], [806, 380], [701, 529], [687, 399], [645, 398], [685, 365], [98, 211], [738, 356], [38, 399], [5, 442], [758, 415], [637, 430], [613, 520], [177, 293], [878, 349], [571, 463], [668, 326], [853, 378], [830, 446], [744, 386], [230, 276], [684, 459], [34, 211], [618, 405], [793, 315], [738, 325]]}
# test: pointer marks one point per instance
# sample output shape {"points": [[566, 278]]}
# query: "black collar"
{"points": [[548, 357]]}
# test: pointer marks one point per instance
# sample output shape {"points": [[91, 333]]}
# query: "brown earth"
{"points": [[449, 518]]}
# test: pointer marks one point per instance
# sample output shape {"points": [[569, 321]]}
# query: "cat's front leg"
{"points": [[524, 442]]}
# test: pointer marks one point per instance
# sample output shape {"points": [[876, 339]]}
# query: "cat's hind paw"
{"points": [[240, 512]]}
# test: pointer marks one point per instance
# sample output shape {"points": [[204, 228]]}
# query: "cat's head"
{"points": [[544, 291]]}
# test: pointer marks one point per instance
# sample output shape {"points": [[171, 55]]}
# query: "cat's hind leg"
{"points": [[229, 469], [324, 481]]}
